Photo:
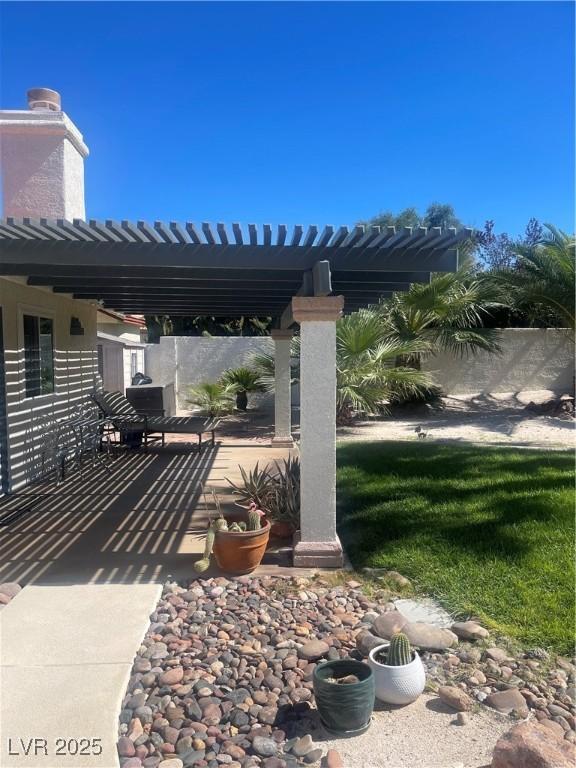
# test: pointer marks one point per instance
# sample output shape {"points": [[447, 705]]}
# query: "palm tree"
{"points": [[244, 380], [263, 364], [543, 280], [367, 377], [446, 314], [215, 399]]}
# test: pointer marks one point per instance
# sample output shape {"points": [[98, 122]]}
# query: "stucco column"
{"points": [[282, 388], [319, 545]]}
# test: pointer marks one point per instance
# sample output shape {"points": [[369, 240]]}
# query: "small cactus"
{"points": [[255, 516], [400, 651], [218, 525]]}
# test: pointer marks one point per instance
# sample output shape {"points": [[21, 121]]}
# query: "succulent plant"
{"points": [[255, 516], [216, 525], [399, 651], [254, 523]]}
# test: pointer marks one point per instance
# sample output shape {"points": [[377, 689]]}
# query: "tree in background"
{"points": [[436, 215], [500, 251], [204, 325]]}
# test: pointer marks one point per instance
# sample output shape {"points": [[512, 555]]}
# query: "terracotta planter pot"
{"points": [[240, 553]]}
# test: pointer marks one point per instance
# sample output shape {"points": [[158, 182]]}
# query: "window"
{"points": [[38, 355]]}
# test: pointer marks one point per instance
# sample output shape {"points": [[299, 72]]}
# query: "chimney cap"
{"points": [[44, 99]]}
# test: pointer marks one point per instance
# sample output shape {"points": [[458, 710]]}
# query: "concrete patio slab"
{"points": [[66, 654], [421, 735], [143, 522], [76, 624]]}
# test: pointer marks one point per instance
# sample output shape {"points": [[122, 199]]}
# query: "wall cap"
{"points": [[26, 122]]}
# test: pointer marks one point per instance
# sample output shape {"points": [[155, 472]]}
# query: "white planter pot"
{"points": [[397, 685]]}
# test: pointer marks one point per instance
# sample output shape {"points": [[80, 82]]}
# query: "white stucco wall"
{"points": [[42, 156], [30, 420], [531, 359], [191, 360]]}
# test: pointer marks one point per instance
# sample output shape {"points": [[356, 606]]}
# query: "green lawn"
{"points": [[488, 531]]}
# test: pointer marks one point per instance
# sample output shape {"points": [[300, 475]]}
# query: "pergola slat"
{"points": [[117, 229], [34, 232], [324, 238], [132, 229], [208, 234], [180, 234], [193, 232], [102, 229], [310, 236], [296, 235], [74, 232], [152, 236], [355, 236], [222, 234], [339, 237], [172, 267], [164, 232], [52, 226]]}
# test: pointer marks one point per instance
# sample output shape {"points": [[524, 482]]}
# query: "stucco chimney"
{"points": [[42, 159]]}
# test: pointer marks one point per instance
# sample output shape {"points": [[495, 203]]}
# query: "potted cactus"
{"points": [[398, 671], [238, 546]]}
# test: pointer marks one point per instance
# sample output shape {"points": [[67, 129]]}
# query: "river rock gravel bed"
{"points": [[224, 674]]}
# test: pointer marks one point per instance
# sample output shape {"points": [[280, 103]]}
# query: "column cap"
{"points": [[326, 308], [282, 334]]}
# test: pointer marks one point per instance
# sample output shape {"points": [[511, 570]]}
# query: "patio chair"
{"points": [[134, 426]]}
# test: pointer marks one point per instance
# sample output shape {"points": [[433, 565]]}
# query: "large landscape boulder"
{"points": [[532, 745], [428, 637], [388, 624]]}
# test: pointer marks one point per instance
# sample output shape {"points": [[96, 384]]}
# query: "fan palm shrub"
{"points": [[263, 363], [445, 315], [213, 398], [543, 280], [244, 380], [367, 372]]}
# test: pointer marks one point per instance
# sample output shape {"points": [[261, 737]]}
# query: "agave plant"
{"points": [[244, 380], [213, 398], [283, 503], [274, 489], [255, 486]]}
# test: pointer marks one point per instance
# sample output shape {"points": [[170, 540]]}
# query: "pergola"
{"points": [[305, 276]]}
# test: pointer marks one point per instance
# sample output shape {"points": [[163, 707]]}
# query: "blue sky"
{"points": [[308, 112]]}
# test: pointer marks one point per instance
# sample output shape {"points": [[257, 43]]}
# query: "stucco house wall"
{"points": [[30, 419], [531, 359]]}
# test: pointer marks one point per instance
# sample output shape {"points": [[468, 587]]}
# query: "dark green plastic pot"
{"points": [[344, 709]]}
